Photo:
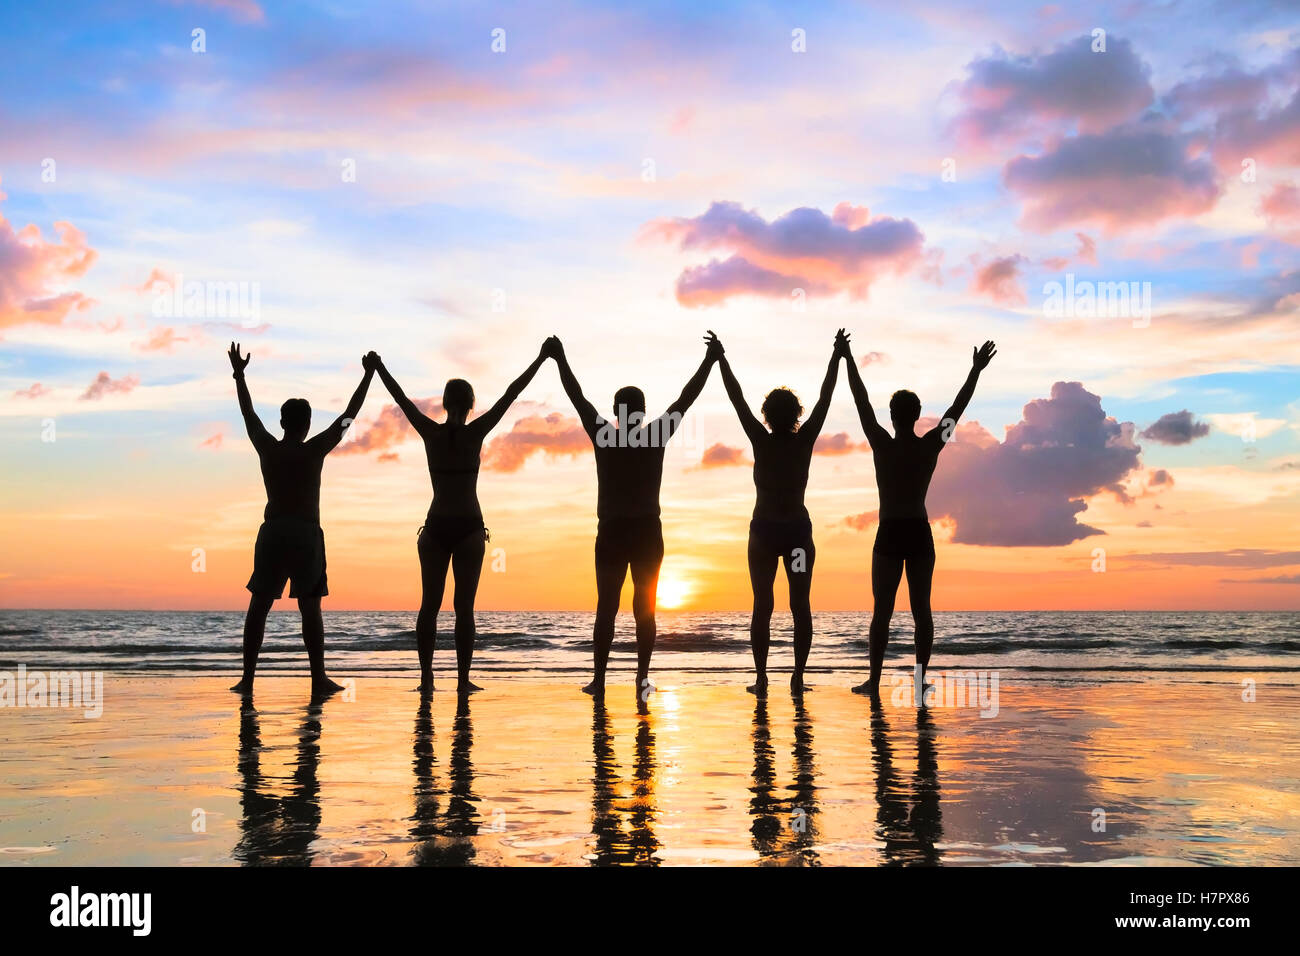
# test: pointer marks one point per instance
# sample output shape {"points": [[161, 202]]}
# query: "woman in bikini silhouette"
{"points": [[781, 529], [453, 532]]}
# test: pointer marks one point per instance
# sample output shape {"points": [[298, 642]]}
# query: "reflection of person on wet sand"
{"points": [[910, 834], [278, 830], [615, 845], [443, 838], [781, 530], [290, 544], [784, 829], [629, 470], [905, 463], [453, 533]]}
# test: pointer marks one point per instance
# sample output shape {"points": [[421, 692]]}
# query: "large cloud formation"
{"points": [[1097, 146], [1176, 428], [1008, 96], [32, 270], [805, 249], [1029, 489], [1124, 177]]}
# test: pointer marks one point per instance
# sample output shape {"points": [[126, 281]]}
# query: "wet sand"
{"points": [[532, 771]]}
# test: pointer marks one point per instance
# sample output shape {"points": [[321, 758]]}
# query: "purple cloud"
{"points": [[1129, 176], [1008, 96], [1176, 428], [805, 249], [1027, 490]]}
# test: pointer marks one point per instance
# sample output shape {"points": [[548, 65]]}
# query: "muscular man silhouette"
{"points": [[781, 530], [629, 470], [905, 464], [290, 544]]}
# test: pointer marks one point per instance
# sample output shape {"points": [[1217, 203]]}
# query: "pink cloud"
{"points": [[1000, 280], [804, 249], [161, 339], [873, 358], [837, 444], [245, 11], [1282, 204], [554, 434], [157, 277], [390, 428], [863, 521], [35, 390], [104, 384], [1266, 134], [722, 456], [31, 269], [1086, 252]]}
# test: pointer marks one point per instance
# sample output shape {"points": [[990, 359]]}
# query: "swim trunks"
{"points": [[636, 539], [293, 550], [906, 538]]}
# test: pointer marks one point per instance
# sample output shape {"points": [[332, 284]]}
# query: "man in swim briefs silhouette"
{"points": [[905, 463]]}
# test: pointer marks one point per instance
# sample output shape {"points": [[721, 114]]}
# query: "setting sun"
{"points": [[673, 591]]}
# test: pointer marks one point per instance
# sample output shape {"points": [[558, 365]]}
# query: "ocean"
{"points": [[1064, 646]]}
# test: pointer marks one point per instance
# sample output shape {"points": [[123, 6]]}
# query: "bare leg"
{"points": [[313, 635], [433, 580], [798, 573], [467, 565], [609, 585], [920, 575], [645, 592], [259, 605], [886, 573], [762, 572]]}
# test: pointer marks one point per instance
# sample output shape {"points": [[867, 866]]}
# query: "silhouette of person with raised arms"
{"points": [[629, 470], [905, 464], [290, 544], [781, 530], [453, 532]]}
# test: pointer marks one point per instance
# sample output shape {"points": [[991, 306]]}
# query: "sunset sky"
{"points": [[450, 183]]}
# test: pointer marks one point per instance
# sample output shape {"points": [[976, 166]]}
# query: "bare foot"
{"points": [[797, 686], [467, 687], [759, 687], [870, 688], [426, 686], [244, 687], [324, 687], [596, 688]]}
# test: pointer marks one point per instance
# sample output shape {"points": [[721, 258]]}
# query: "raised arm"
{"points": [[812, 426], [586, 411], [874, 431], [671, 420], [979, 361], [748, 421], [257, 432], [492, 417], [421, 422], [334, 432]]}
